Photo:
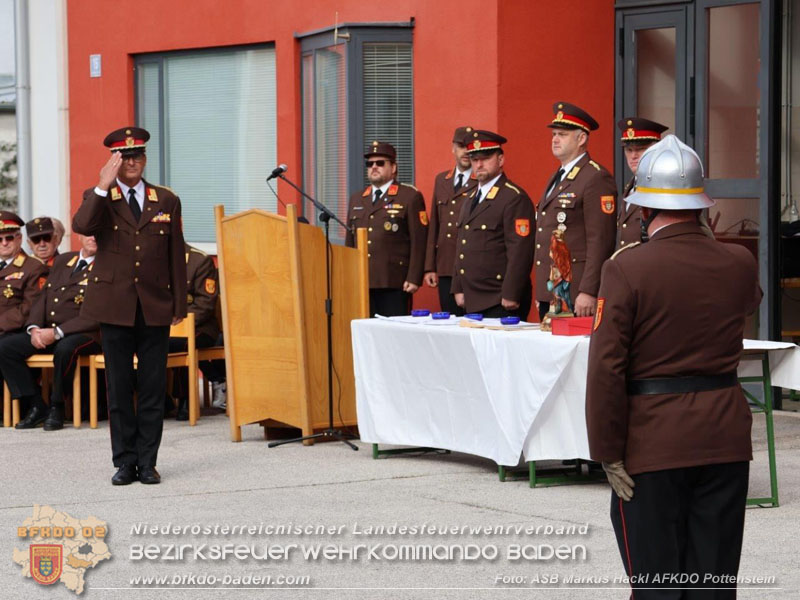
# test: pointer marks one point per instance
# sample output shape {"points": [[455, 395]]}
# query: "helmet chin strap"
{"points": [[646, 223]]}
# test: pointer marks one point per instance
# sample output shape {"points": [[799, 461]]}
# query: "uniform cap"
{"points": [[10, 221], [569, 116], [481, 140], [128, 140], [460, 134], [670, 177], [637, 129], [39, 226], [377, 148]]}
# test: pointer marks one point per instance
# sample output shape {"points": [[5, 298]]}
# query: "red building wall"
{"points": [[496, 65]]}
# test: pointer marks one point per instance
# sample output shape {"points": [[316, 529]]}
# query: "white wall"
{"points": [[49, 111]]}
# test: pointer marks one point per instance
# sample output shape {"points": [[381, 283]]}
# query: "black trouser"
{"points": [[389, 302], [16, 348], [213, 370], [522, 312], [135, 432], [687, 520], [446, 299]]}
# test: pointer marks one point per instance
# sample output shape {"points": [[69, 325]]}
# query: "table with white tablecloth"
{"points": [[491, 393]]}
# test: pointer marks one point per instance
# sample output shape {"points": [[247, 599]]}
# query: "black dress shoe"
{"points": [[149, 475], [55, 418], [183, 410], [34, 418], [125, 475]]}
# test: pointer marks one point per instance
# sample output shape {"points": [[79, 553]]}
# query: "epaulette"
{"points": [[193, 249], [516, 189], [20, 260], [633, 245], [411, 186], [594, 164]]}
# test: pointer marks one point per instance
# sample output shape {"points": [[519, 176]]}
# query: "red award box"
{"points": [[572, 325]]}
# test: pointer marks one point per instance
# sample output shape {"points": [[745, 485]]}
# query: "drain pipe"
{"points": [[23, 89]]}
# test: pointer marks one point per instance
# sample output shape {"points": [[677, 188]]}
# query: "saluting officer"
{"points": [[137, 289], [492, 273], [638, 135], [664, 409], [21, 276], [577, 210], [54, 327], [450, 188], [397, 229]]}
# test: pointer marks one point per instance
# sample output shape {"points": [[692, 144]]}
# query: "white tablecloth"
{"points": [[490, 393]]}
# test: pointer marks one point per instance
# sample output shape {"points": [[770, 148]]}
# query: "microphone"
{"points": [[278, 171]]}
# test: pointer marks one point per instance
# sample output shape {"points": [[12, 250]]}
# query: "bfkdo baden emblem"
{"points": [[46, 562]]}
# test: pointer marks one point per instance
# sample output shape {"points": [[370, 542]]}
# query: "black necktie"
{"points": [[135, 209], [460, 181], [80, 266], [377, 196], [556, 179], [2, 264], [475, 201]]}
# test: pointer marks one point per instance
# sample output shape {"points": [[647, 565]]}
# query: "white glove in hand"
{"points": [[620, 481]]}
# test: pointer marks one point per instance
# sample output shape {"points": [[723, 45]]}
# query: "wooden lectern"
{"points": [[272, 286]]}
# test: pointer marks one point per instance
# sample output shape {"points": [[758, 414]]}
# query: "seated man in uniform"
{"points": [[44, 236], [202, 298], [54, 327]]}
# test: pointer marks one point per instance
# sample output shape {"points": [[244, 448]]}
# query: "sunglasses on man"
{"points": [[375, 163], [8, 238], [47, 238]]}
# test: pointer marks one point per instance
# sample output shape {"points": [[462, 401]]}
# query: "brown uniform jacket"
{"points": [[203, 295], [60, 302], [495, 247], [586, 197], [21, 280], [445, 210], [672, 307], [629, 219], [397, 231], [143, 260]]}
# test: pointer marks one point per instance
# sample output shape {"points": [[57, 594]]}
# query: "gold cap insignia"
{"points": [[36, 221], [631, 132], [560, 115], [476, 144], [560, 106], [129, 141], [127, 132], [630, 122]]}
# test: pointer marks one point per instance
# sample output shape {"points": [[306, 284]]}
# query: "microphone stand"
{"points": [[331, 433]]}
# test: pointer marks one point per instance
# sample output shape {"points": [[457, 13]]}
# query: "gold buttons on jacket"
{"points": [[52, 313], [369, 228], [499, 276], [138, 264], [483, 226], [137, 247], [461, 256], [538, 262], [137, 232], [136, 280], [450, 224], [461, 271], [624, 225], [544, 212], [116, 227], [538, 245], [448, 235], [540, 228], [466, 226], [55, 299]]}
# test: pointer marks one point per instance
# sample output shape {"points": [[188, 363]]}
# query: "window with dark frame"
{"points": [[355, 89]]}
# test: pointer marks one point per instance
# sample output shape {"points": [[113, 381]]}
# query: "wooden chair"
{"points": [[186, 359], [11, 413]]}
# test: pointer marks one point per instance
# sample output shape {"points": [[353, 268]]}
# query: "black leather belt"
{"points": [[681, 385]]}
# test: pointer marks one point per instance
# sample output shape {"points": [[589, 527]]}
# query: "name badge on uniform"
{"points": [[161, 217]]}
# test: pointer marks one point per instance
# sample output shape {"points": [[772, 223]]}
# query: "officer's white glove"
{"points": [[620, 481]]}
